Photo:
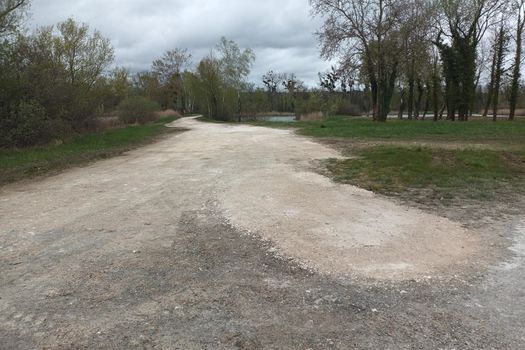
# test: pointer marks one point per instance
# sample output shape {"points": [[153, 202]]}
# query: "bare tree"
{"points": [[367, 30], [271, 81], [415, 34]]}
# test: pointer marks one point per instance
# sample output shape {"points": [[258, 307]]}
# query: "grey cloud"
{"points": [[279, 31]]}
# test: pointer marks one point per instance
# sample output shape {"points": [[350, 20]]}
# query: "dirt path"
{"points": [[153, 250]]}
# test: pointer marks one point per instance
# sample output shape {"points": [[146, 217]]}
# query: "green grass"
{"points": [[411, 130], [429, 169], [443, 174], [20, 163]]}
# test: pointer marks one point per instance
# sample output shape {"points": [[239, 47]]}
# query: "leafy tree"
{"points": [[58, 70], [209, 74], [147, 84], [169, 70], [465, 23], [235, 66], [85, 55]]}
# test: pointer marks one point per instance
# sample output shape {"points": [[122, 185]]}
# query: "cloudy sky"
{"points": [[279, 31]]}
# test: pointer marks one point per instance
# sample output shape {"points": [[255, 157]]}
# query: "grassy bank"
{"points": [[420, 165], [436, 174], [365, 129], [20, 163]]}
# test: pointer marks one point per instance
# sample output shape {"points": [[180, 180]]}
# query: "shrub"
{"points": [[27, 125], [137, 109]]}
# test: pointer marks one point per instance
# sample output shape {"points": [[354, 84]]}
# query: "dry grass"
{"points": [[312, 117], [520, 112], [168, 113]]}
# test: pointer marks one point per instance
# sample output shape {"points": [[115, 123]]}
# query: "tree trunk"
{"points": [[374, 99], [514, 87], [442, 111], [410, 98], [427, 101], [490, 89], [402, 105], [498, 72], [435, 91], [419, 100]]}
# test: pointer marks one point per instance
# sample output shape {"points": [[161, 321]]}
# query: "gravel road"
{"points": [[226, 237]]}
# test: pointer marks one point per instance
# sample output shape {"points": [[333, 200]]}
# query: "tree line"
{"points": [[432, 53], [421, 56], [60, 80]]}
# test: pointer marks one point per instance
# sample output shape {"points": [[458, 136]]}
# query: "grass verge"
{"points": [[483, 131], [23, 163], [438, 174]]}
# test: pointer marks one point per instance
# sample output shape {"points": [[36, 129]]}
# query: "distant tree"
{"points": [[368, 29], [171, 64], [169, 70], [209, 74], [235, 65], [119, 85], [292, 85], [415, 62], [148, 84], [519, 8], [271, 80], [463, 23], [329, 80], [501, 41], [85, 55]]}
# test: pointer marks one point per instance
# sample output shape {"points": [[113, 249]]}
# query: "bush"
{"points": [[137, 109], [28, 125]]}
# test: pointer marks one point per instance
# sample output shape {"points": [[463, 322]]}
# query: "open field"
{"points": [[17, 164]]}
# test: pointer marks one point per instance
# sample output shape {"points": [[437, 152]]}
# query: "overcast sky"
{"points": [[279, 31]]}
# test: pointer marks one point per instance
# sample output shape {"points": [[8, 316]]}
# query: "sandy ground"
{"points": [[224, 237]]}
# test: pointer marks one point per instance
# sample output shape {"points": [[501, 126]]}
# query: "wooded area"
{"points": [[434, 51], [448, 59]]}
